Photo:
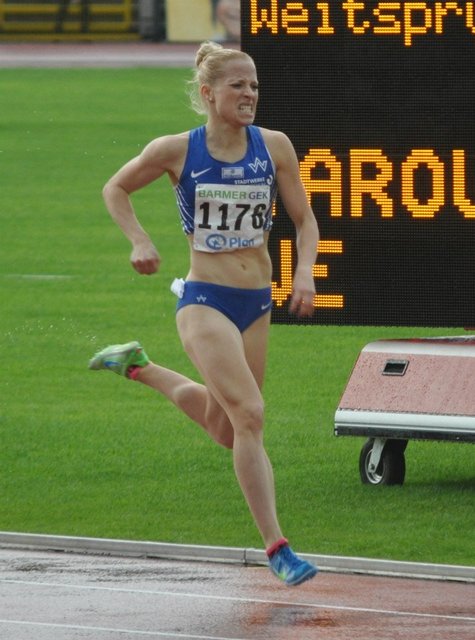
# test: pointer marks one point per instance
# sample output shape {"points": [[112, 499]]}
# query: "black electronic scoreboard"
{"points": [[378, 99]]}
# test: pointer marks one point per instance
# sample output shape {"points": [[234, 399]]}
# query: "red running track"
{"points": [[65, 596]]}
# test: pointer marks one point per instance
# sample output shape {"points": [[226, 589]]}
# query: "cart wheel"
{"points": [[392, 466]]}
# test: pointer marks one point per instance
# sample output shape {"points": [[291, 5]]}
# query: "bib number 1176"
{"points": [[232, 220]]}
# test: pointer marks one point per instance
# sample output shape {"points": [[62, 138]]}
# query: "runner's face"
{"points": [[234, 96]]}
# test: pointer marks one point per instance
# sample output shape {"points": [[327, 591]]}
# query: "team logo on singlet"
{"points": [[258, 164]]}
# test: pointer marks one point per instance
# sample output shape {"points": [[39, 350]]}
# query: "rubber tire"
{"points": [[392, 466]]}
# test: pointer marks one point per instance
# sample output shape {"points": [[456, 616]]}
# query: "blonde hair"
{"points": [[210, 60]]}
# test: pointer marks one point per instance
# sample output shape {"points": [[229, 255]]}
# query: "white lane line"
{"points": [[176, 594], [134, 632]]}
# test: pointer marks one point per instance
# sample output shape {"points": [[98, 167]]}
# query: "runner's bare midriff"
{"points": [[244, 268]]}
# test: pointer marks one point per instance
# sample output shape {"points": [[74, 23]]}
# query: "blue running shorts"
{"points": [[241, 306]]}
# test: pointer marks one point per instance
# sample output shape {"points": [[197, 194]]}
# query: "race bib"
{"points": [[230, 217]]}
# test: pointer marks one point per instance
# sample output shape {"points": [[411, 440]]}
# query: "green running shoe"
{"points": [[119, 358]]}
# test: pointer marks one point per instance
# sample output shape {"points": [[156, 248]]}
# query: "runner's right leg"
{"points": [[194, 399]]}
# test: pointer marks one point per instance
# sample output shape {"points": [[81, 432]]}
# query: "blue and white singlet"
{"points": [[226, 206]]}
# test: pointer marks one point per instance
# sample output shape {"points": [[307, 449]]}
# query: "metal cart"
{"points": [[400, 390]]}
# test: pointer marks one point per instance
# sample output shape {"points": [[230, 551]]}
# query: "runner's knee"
{"points": [[249, 416]]}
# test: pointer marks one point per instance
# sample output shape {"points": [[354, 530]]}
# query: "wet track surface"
{"points": [[63, 596]]}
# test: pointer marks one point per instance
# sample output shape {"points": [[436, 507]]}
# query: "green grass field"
{"points": [[90, 454]]}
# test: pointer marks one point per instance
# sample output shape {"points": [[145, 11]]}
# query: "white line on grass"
{"points": [[176, 594], [38, 276]]}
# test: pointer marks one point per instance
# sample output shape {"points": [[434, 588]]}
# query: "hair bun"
{"points": [[205, 50]]}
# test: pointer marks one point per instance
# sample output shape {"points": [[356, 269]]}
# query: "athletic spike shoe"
{"points": [[119, 358], [290, 568]]}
